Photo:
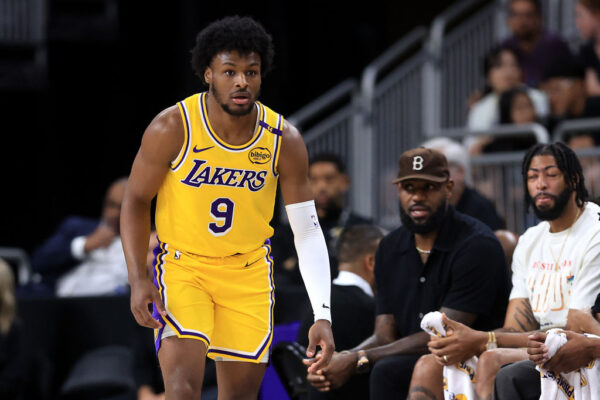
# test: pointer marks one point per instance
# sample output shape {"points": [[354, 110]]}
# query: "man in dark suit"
{"points": [[352, 301], [84, 256]]}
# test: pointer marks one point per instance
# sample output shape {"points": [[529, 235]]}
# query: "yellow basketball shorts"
{"points": [[226, 302]]}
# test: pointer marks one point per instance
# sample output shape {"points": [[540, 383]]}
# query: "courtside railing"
{"points": [[392, 100], [21, 259], [23, 36], [329, 131], [582, 125], [329, 125], [457, 53], [22, 21]]}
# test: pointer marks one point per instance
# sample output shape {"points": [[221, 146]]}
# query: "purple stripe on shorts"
{"points": [[159, 254]]}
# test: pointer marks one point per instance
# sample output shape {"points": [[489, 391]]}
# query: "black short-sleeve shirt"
{"points": [[466, 271], [472, 203]]}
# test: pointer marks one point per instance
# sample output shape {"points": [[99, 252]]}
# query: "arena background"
{"points": [[64, 141]]}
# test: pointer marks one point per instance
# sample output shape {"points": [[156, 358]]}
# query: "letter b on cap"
{"points": [[417, 163]]}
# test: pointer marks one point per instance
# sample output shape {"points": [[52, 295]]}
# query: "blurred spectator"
{"points": [[516, 107], [587, 20], [12, 359], [563, 83], [85, 256], [502, 72], [534, 46], [464, 198], [352, 299], [330, 184], [589, 163], [582, 140]]}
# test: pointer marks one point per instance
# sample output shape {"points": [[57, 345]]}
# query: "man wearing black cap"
{"points": [[439, 259]]}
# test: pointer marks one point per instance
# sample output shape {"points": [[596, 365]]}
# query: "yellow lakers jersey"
{"points": [[217, 199]]}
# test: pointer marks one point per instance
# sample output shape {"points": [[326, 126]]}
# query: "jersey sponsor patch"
{"points": [[259, 155]]}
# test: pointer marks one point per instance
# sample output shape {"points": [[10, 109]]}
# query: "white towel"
{"points": [[583, 384], [459, 379]]}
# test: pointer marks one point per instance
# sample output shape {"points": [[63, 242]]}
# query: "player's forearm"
{"points": [[412, 344], [312, 256], [373, 341], [594, 347], [508, 339], [135, 232]]}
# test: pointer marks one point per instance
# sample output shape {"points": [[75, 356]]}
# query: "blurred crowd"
{"points": [[534, 76]]}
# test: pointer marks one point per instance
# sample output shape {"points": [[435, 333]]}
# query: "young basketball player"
{"points": [[214, 160]]}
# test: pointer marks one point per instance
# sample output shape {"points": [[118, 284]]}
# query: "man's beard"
{"points": [[331, 209], [560, 202], [227, 109], [432, 223]]}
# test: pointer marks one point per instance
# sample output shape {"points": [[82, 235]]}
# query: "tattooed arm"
{"points": [[519, 317], [518, 323]]}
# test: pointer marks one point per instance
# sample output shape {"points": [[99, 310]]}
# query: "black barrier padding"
{"points": [[61, 330]]}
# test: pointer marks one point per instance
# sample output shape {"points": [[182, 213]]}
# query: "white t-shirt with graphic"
{"points": [[574, 283]]}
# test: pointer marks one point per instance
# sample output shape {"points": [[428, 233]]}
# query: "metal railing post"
{"points": [[362, 165]]}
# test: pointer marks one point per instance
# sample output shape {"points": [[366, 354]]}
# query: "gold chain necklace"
{"points": [[562, 247]]}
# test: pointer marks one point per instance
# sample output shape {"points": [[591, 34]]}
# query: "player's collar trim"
{"points": [[257, 134]]}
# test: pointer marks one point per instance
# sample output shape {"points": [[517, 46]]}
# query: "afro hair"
{"points": [[241, 34]]}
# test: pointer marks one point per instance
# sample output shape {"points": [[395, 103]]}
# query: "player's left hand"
{"points": [[334, 375], [319, 335], [460, 343], [576, 353]]}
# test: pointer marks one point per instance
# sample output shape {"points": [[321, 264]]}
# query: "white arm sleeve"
{"points": [[312, 256]]}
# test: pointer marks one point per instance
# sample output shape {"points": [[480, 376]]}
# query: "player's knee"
{"points": [[426, 368], [184, 388], [488, 365], [489, 362], [426, 379]]}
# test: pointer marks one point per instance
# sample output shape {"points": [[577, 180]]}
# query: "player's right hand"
{"points": [[320, 334], [143, 292]]}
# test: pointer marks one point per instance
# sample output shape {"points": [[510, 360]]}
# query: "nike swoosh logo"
{"points": [[196, 150], [325, 306], [248, 264]]}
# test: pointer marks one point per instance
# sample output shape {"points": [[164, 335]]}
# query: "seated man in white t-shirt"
{"points": [[556, 271], [84, 257]]}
